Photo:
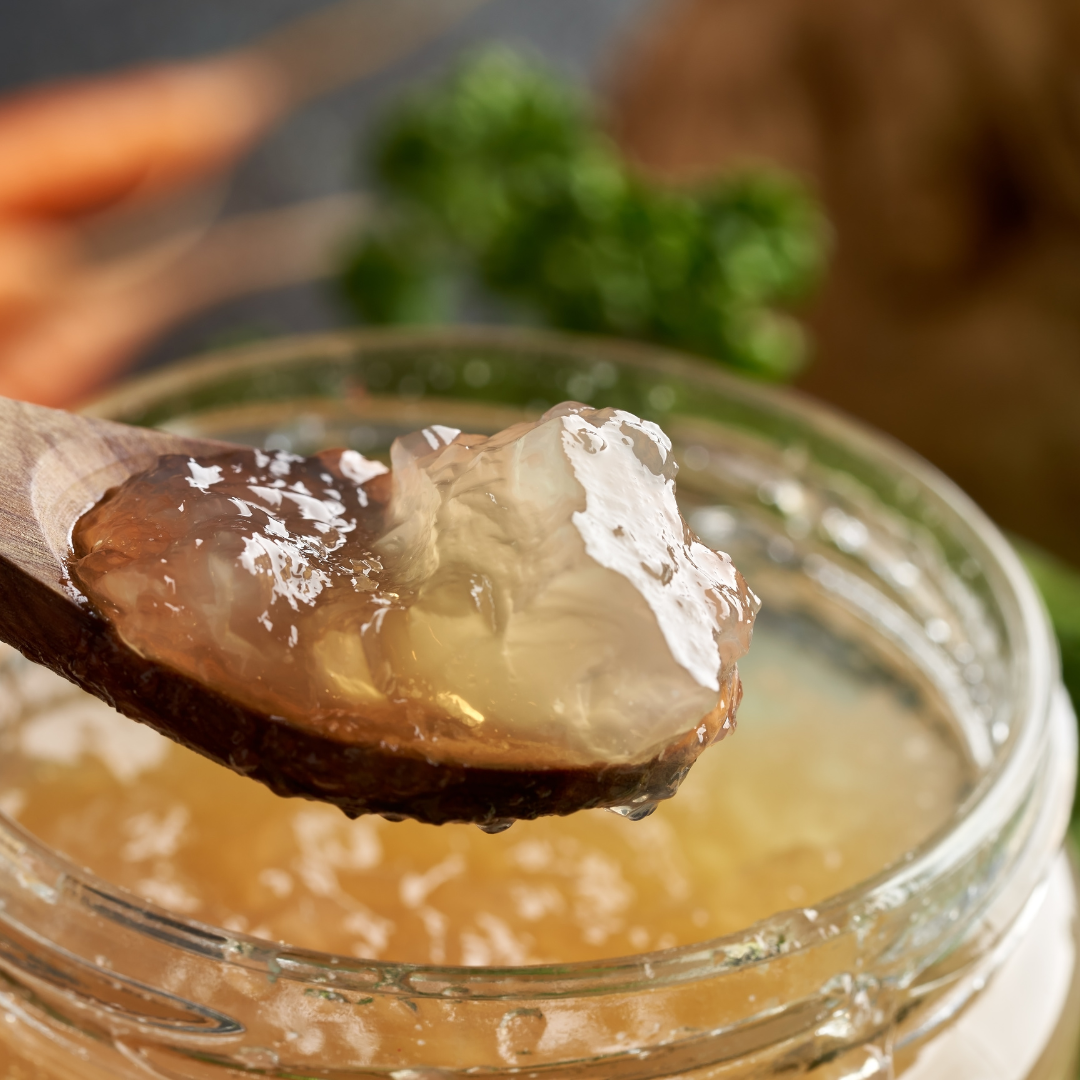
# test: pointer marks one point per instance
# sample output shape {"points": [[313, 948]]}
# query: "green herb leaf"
{"points": [[500, 180]]}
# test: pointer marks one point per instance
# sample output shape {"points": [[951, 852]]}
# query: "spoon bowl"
{"points": [[56, 466]]}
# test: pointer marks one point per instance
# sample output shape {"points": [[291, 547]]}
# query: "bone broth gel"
{"points": [[528, 602], [834, 772]]}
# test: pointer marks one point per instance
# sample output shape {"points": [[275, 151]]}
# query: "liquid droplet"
{"points": [[496, 825], [635, 811]]}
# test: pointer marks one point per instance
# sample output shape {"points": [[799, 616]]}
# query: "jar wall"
{"points": [[1024, 1024], [908, 975]]}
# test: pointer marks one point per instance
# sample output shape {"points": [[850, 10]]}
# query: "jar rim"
{"points": [[782, 933]]}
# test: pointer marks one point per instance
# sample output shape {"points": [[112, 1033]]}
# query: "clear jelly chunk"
{"points": [[533, 596]]}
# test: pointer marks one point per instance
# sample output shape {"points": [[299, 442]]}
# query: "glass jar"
{"points": [[958, 960]]}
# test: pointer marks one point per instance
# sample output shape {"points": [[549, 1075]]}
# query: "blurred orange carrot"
{"points": [[98, 251], [82, 145], [59, 351], [36, 258]]}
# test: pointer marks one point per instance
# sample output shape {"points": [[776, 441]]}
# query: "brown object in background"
{"points": [[944, 139]]}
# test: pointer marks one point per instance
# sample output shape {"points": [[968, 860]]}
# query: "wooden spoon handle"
{"points": [[55, 465]]}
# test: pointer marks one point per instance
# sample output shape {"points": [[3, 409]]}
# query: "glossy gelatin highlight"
{"points": [[530, 601]]}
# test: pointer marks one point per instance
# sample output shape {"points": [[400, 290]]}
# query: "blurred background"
{"points": [[877, 201]]}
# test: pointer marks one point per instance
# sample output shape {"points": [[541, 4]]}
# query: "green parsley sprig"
{"points": [[500, 179]]}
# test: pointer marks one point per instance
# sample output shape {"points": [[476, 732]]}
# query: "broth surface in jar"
{"points": [[835, 772]]}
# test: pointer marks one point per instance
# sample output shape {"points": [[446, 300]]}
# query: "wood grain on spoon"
{"points": [[56, 466]]}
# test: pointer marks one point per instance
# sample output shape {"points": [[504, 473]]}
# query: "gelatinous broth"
{"points": [[530, 598], [834, 772]]}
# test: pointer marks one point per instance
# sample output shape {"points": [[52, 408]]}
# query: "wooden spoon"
{"points": [[55, 466]]}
